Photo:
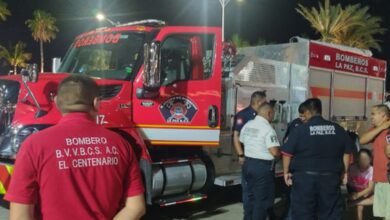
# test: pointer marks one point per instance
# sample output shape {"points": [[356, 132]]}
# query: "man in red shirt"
{"points": [[380, 136], [76, 169]]}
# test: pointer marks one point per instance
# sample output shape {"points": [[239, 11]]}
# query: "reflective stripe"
{"points": [[2, 189], [5, 177], [10, 168], [188, 143], [176, 126], [162, 134]]}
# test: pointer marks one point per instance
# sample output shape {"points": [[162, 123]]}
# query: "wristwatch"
{"points": [[241, 155]]}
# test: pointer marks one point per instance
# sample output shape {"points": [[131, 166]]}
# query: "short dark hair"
{"points": [[313, 105], [302, 108], [388, 98], [76, 93], [265, 106], [258, 95], [383, 108], [367, 151]]}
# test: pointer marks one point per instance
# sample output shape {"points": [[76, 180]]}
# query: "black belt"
{"points": [[321, 173]]}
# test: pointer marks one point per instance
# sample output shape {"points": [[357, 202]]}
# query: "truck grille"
{"points": [[9, 91], [109, 91]]}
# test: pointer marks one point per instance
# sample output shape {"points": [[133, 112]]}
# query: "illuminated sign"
{"points": [[336, 59], [97, 39]]}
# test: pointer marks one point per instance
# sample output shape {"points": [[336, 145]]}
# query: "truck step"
{"points": [[228, 180], [174, 200]]}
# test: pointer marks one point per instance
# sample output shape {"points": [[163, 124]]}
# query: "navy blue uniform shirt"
{"points": [[318, 145], [291, 126], [242, 117]]}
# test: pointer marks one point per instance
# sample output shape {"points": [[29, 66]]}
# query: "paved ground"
{"points": [[223, 204], [3, 209]]}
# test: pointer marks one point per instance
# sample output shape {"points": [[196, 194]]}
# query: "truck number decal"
{"points": [[100, 119]]}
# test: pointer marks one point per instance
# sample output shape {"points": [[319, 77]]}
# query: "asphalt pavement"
{"points": [[222, 204]]}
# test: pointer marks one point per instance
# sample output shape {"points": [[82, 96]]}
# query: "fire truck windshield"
{"points": [[105, 55]]}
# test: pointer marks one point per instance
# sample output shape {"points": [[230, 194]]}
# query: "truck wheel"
{"points": [[210, 173]]}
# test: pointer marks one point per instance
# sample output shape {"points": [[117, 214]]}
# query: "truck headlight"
{"points": [[14, 136], [21, 135]]}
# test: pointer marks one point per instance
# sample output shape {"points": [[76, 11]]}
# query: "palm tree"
{"points": [[239, 42], [43, 29], [351, 25], [262, 41], [4, 12], [16, 55]]}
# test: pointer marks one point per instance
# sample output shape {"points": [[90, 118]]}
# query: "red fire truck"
{"points": [[172, 92]]}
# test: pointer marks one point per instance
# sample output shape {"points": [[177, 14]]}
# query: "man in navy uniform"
{"points": [[296, 122], [290, 127], [315, 159], [240, 119]]}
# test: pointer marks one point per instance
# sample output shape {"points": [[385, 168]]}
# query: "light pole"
{"points": [[101, 17], [224, 3]]}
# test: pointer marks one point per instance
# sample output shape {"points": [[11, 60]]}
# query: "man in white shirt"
{"points": [[261, 148]]}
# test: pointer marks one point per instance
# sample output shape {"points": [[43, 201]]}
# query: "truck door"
{"points": [[186, 109]]}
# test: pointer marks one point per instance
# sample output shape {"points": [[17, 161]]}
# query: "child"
{"points": [[360, 182]]}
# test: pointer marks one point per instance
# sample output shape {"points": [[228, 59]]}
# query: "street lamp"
{"points": [[101, 17], [224, 3]]}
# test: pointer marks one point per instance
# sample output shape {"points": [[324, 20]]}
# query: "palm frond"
{"points": [[351, 25], [4, 12], [15, 55]]}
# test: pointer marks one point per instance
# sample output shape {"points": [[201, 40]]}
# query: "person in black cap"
{"points": [[315, 159]]}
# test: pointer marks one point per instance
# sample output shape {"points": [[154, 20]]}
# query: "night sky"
{"points": [[273, 20]]}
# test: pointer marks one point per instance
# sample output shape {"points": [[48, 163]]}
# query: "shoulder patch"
{"points": [[239, 121], [274, 139]]}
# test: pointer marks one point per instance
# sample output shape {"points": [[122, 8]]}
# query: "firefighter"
{"points": [[261, 148], [291, 126], [296, 122], [242, 117], [315, 159], [76, 169]]}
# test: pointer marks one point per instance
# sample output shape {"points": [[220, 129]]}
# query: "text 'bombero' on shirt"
{"points": [[75, 170], [258, 136], [318, 145]]}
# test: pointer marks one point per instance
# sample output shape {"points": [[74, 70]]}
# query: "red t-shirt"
{"points": [[380, 158], [75, 170]]}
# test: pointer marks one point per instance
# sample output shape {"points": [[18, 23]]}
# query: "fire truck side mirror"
{"points": [[152, 64], [30, 73]]}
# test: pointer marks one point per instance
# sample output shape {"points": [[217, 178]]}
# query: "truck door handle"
{"points": [[213, 116]]}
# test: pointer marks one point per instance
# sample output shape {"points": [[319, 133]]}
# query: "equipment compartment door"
{"points": [[187, 109]]}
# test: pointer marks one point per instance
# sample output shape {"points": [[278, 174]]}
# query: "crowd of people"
{"points": [[318, 157]]}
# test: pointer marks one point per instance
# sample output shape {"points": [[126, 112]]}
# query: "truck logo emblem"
{"points": [[178, 109]]}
